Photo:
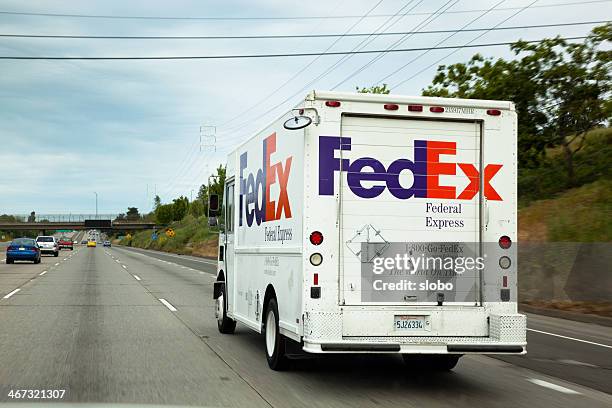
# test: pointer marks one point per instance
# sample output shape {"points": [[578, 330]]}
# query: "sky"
{"points": [[127, 130]]}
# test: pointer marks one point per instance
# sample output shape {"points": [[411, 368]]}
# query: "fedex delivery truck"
{"points": [[360, 223]]}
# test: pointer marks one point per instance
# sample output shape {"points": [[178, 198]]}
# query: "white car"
{"points": [[47, 244]]}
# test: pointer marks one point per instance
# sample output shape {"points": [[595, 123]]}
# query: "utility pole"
{"points": [[191, 196], [96, 204]]}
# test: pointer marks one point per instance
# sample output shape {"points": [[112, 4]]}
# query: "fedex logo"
{"points": [[427, 166], [255, 200]]}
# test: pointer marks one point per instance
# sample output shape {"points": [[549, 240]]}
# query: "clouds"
{"points": [[116, 127]]}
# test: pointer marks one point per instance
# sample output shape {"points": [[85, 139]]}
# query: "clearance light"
{"points": [[493, 112], [316, 259], [505, 281], [316, 238], [436, 109], [315, 279], [504, 262], [391, 106], [505, 242], [415, 108], [332, 104]]}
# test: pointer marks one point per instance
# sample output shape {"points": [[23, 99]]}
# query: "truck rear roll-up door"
{"points": [[409, 189]]}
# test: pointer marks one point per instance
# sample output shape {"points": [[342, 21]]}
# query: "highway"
{"points": [[119, 325]]}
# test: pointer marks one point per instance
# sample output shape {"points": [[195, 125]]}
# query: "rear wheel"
{"points": [[9, 261], [56, 253], [431, 362], [275, 342], [224, 323]]}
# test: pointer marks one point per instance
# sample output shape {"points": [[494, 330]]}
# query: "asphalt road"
{"points": [[94, 324]]}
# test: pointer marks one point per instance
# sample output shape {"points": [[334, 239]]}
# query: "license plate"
{"points": [[22, 249], [409, 323]]}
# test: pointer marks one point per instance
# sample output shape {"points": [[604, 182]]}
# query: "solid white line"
{"points": [[137, 277], [571, 338], [552, 386], [168, 305], [124, 267], [211, 262], [8, 295], [42, 273], [56, 264]]}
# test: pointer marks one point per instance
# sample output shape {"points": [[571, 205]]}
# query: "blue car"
{"points": [[23, 249]]}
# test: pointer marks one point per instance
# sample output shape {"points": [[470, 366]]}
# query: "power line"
{"points": [[468, 44], [292, 36], [294, 76], [248, 56], [319, 17], [385, 25], [380, 56]]}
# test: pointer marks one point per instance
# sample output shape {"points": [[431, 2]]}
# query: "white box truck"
{"points": [[360, 223]]}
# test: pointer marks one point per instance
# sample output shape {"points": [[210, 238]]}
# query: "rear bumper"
{"points": [[479, 332], [48, 250], [426, 345], [22, 255]]}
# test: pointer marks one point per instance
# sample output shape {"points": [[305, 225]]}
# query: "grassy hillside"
{"points": [[193, 237], [582, 214]]}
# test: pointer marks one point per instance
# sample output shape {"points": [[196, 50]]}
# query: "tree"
{"points": [[120, 217], [132, 214], [374, 89], [180, 206], [560, 90], [196, 208], [164, 213], [32, 217], [156, 202]]}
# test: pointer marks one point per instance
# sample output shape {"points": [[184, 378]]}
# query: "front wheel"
{"points": [[224, 323], [431, 362], [275, 342]]}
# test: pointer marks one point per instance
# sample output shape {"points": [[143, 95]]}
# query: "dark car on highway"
{"points": [[23, 249]]}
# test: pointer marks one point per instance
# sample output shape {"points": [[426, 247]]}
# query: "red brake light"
{"points": [[505, 242], [436, 109], [415, 108], [332, 104], [316, 238], [493, 112], [391, 106]]}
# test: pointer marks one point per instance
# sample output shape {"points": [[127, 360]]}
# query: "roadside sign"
{"points": [[128, 236], [170, 233], [154, 236]]}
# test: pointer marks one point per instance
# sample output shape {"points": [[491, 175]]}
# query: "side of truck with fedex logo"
{"points": [[360, 223]]}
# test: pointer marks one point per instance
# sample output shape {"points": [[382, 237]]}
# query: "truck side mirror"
{"points": [[213, 204]]}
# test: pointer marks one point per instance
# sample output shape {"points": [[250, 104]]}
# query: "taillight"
{"points": [[505, 242], [391, 106], [436, 109], [493, 112], [415, 108], [332, 104], [315, 279], [316, 238]]}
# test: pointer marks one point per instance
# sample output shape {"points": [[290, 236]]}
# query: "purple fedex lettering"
{"points": [[387, 178]]}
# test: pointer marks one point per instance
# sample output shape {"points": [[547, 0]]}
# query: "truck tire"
{"points": [[56, 254], [275, 342], [431, 362], [224, 323]]}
